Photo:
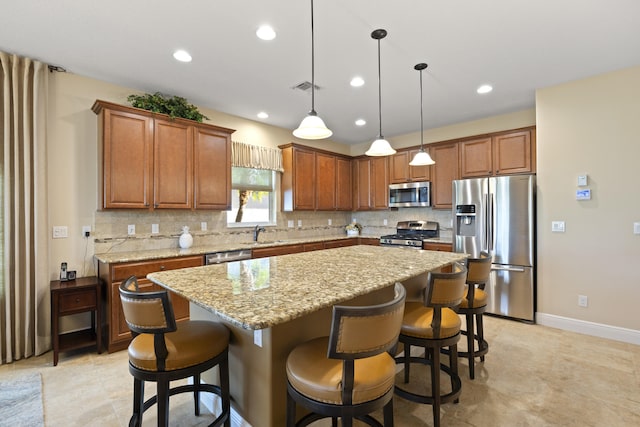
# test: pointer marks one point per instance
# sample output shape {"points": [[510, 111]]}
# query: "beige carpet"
{"points": [[21, 401]]}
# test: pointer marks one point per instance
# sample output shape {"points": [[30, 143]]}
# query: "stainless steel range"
{"points": [[411, 234]]}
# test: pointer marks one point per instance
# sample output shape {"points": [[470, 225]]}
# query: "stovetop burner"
{"points": [[411, 234]]}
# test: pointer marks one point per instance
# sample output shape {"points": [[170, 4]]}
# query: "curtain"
{"points": [[256, 157], [24, 276]]}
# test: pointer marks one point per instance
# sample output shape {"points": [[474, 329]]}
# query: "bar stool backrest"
{"points": [[445, 289], [146, 312], [479, 270]]}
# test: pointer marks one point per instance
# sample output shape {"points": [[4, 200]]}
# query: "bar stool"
{"points": [[162, 351], [473, 305], [350, 373], [433, 324]]}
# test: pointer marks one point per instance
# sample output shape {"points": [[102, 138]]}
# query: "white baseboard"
{"points": [[213, 403], [616, 333]]}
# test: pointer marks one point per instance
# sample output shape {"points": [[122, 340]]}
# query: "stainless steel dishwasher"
{"points": [[227, 256]]}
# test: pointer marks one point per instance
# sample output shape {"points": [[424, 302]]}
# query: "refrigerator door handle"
{"points": [[485, 244], [491, 222], [506, 268]]}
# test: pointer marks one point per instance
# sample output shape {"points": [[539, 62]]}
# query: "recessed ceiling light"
{"points": [[357, 81], [263, 115], [265, 32], [484, 89], [182, 56], [361, 122]]}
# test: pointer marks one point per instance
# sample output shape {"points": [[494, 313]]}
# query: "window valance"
{"points": [[256, 157]]}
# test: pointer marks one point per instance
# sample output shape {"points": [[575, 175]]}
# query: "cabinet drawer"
{"points": [[141, 269], [71, 302]]}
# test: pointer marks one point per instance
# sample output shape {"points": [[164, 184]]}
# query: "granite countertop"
{"points": [[111, 257], [260, 293]]}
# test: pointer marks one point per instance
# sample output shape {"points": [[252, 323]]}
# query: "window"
{"points": [[252, 197]]}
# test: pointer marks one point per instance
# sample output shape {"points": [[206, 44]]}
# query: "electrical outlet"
{"points": [[60, 232], [131, 229], [290, 223], [257, 337], [636, 228], [299, 223], [329, 221], [203, 226], [155, 228], [583, 301], [86, 230], [385, 222]]}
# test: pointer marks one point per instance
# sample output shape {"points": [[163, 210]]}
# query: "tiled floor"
{"points": [[532, 376]]}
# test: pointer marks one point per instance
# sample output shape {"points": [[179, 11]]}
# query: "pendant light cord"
{"points": [[313, 67], [421, 117], [379, 95]]}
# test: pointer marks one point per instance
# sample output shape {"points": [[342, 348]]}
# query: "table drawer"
{"points": [[77, 301]]}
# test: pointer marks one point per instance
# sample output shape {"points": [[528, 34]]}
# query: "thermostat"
{"points": [[583, 194]]}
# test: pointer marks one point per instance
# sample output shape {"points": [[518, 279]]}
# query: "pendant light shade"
{"points": [[422, 158], [312, 126], [380, 147]]}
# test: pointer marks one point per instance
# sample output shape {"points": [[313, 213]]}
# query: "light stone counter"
{"points": [[270, 305], [143, 255], [261, 293]]}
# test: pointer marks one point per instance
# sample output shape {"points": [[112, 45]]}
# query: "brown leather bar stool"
{"points": [[350, 373], [433, 324], [162, 351], [473, 305]]}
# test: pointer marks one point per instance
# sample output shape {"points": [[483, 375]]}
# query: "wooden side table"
{"points": [[72, 297]]}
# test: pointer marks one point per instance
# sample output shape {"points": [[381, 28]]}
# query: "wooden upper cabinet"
{"points": [[500, 154], [399, 167], [380, 182], [326, 182], [419, 173], [212, 158], [315, 179], [344, 184], [513, 153], [444, 172], [150, 161], [362, 175], [172, 165], [400, 171], [127, 159], [476, 158]]}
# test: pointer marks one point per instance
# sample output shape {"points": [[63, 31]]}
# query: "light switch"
{"points": [[557, 226], [155, 228], [582, 180], [60, 232], [636, 228], [203, 226], [290, 223]]}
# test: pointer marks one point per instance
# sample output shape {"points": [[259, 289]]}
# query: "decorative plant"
{"points": [[353, 226], [174, 106]]}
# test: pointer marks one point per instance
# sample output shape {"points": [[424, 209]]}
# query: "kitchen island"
{"points": [[272, 304]]}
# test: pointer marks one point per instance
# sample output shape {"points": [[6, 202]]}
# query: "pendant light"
{"points": [[312, 126], [422, 158], [380, 147]]}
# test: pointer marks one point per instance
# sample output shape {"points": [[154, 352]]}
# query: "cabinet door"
{"points": [[512, 153], [304, 180], [476, 158], [344, 186], [444, 172], [362, 175], [443, 247], [325, 182], [399, 168], [418, 173], [127, 160], [172, 165], [276, 251], [380, 182], [212, 169]]}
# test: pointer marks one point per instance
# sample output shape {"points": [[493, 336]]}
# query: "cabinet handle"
{"points": [[77, 299], [162, 267]]}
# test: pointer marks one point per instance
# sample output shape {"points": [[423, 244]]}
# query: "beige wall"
{"points": [[590, 127]]}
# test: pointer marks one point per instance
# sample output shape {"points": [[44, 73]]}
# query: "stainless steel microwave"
{"points": [[410, 194]]}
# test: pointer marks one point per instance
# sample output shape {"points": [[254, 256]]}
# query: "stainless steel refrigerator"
{"points": [[497, 215]]}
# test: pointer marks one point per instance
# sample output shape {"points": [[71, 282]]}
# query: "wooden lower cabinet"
{"points": [[276, 250], [443, 247], [113, 274]]}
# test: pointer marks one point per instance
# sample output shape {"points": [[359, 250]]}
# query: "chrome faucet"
{"points": [[256, 232]]}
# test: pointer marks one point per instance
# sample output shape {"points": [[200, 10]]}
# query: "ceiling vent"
{"points": [[304, 86]]}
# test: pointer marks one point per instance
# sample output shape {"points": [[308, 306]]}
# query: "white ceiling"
{"points": [[517, 46]]}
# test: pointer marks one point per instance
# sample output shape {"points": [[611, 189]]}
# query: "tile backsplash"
{"points": [[111, 227]]}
